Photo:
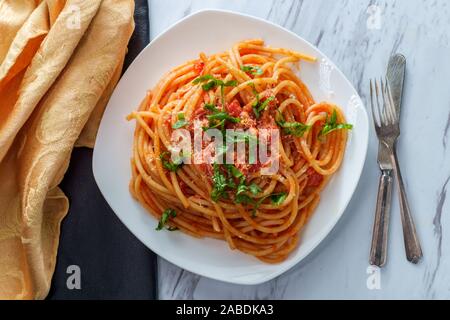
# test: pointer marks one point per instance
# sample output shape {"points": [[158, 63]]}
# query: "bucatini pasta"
{"points": [[249, 88]]}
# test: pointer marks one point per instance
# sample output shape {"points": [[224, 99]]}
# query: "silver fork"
{"points": [[388, 130]]}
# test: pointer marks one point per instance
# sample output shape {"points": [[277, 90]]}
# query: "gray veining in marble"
{"points": [[338, 268]]}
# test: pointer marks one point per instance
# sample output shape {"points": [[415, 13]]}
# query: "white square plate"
{"points": [[214, 31]]}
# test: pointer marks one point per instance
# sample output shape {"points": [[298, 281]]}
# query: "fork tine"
{"points": [[391, 105], [388, 118], [384, 119], [379, 106], [383, 109], [372, 103]]}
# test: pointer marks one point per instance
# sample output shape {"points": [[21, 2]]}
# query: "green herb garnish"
{"points": [[211, 107], [259, 106], [181, 122], [225, 181], [278, 198], [275, 198], [297, 129], [332, 125], [168, 164], [218, 118], [220, 183], [254, 189], [235, 172], [222, 115], [242, 197], [256, 71], [212, 83], [203, 79], [166, 215]]}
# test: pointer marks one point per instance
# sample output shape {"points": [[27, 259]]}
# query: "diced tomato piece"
{"points": [[315, 179], [206, 168], [234, 108], [199, 113], [267, 121], [249, 109], [199, 66]]}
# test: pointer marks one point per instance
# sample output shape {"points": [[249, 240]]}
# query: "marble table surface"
{"points": [[359, 36]]}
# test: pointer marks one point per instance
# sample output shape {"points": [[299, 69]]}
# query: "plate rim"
{"points": [[332, 222]]}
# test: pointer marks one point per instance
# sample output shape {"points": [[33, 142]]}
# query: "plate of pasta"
{"points": [[231, 151]]}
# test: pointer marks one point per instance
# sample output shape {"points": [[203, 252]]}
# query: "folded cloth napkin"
{"points": [[111, 263], [59, 62]]}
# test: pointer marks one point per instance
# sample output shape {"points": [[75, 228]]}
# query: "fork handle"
{"points": [[378, 250], [412, 244]]}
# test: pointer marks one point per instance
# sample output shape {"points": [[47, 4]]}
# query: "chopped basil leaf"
{"points": [[169, 165], [166, 215], [243, 199], [225, 181], [241, 195], [209, 85], [235, 171], [218, 118], [216, 125], [262, 106], [297, 129], [214, 83], [231, 83], [220, 183], [254, 189], [181, 122], [332, 125], [211, 107], [222, 115], [203, 79], [242, 187], [259, 106], [254, 70], [278, 198]]}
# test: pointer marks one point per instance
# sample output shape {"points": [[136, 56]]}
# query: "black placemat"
{"points": [[113, 264]]}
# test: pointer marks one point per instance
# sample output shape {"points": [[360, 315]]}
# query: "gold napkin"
{"points": [[59, 63]]}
